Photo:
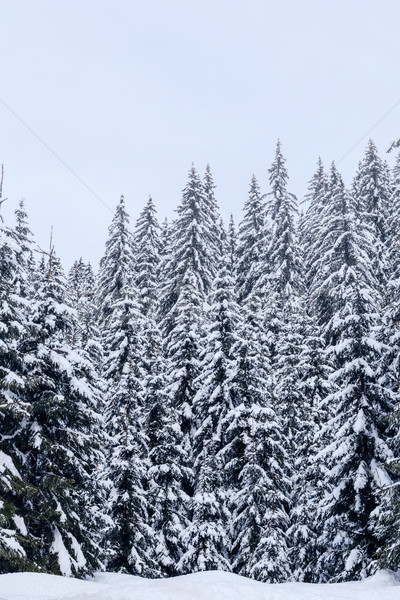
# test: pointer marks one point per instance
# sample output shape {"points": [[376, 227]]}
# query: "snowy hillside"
{"points": [[214, 585]]}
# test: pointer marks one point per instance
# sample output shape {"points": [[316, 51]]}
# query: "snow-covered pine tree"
{"points": [[26, 242], [186, 282], [168, 504], [231, 245], [91, 336], [261, 518], [356, 451], [76, 292], [16, 544], [117, 264], [189, 247], [63, 437], [388, 525], [214, 223], [165, 234], [281, 283], [309, 469], [148, 251], [282, 287], [129, 538], [250, 248], [309, 228], [222, 247], [216, 390], [183, 368], [284, 276], [86, 335], [371, 190], [393, 242], [205, 538], [254, 458], [206, 535], [76, 282]]}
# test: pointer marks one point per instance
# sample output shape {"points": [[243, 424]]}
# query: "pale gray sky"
{"points": [[129, 93]]}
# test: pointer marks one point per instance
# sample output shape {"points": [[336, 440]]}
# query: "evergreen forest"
{"points": [[212, 396]]}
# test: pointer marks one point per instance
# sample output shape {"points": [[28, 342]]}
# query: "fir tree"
{"points": [[88, 316], [214, 224], [189, 248], [168, 504], [129, 537], [261, 517], [254, 457], [216, 389], [285, 268], [148, 245], [356, 451], [17, 545], [231, 245], [76, 291], [388, 525], [117, 265], [187, 279], [309, 472], [165, 235], [205, 538], [206, 535], [310, 234], [63, 441], [250, 243], [282, 292], [371, 194], [183, 346]]}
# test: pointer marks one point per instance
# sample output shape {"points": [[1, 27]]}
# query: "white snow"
{"points": [[10, 543], [20, 524], [64, 559], [80, 558], [7, 463], [211, 585]]}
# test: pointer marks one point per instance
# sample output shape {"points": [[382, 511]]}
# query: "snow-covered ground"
{"points": [[213, 585]]}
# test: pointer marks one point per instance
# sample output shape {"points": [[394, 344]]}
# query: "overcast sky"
{"points": [[130, 93]]}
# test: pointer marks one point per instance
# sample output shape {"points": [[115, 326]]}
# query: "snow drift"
{"points": [[211, 585]]}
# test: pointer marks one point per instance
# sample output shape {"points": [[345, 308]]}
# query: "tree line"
{"points": [[212, 397]]}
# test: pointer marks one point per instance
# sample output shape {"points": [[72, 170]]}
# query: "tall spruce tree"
{"points": [[148, 250], [206, 535], [254, 457], [310, 235], [282, 287], [356, 451], [285, 270], [216, 389], [183, 346], [230, 247], [309, 473], [388, 526], [371, 190], [76, 291], [168, 504], [17, 546], [214, 224], [250, 248], [205, 538], [189, 248], [63, 439], [129, 537], [187, 279]]}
